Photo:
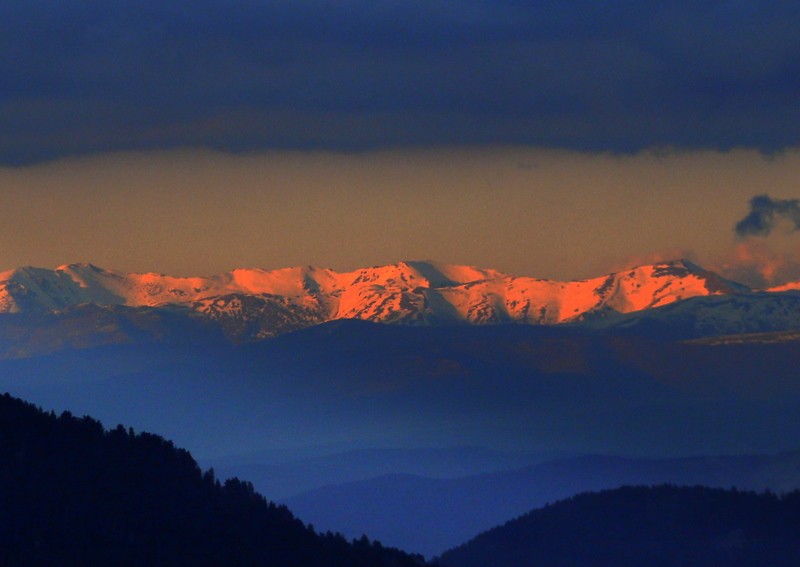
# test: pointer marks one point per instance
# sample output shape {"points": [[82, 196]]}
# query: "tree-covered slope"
{"points": [[431, 515], [72, 493], [662, 526]]}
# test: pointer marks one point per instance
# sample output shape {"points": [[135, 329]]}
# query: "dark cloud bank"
{"points": [[89, 76], [765, 214]]}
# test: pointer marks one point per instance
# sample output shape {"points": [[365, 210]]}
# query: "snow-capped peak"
{"points": [[410, 291]]}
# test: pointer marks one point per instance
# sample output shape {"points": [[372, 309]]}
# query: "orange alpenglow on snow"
{"points": [[410, 292]]}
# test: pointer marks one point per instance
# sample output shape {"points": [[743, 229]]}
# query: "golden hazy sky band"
{"points": [[543, 213]]}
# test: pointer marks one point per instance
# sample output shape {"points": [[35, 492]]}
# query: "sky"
{"points": [[552, 139]]}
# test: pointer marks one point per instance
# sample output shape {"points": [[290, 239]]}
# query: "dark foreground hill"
{"points": [[663, 526], [431, 515], [72, 493]]}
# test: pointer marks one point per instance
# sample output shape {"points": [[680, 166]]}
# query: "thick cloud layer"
{"points": [[239, 75]]}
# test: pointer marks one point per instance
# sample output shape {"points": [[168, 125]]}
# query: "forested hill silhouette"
{"points": [[661, 526], [74, 494]]}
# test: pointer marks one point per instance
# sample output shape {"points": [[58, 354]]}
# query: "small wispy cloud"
{"points": [[754, 263]]}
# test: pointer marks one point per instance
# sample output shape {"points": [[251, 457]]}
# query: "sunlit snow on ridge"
{"points": [[409, 292]]}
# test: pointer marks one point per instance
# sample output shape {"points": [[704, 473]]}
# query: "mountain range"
{"points": [[662, 360], [250, 304], [665, 360]]}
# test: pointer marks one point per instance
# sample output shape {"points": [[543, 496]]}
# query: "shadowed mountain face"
{"points": [[88, 325], [352, 384], [635, 526], [75, 494]]}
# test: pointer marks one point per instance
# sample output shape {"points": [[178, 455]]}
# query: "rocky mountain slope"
{"points": [[251, 304]]}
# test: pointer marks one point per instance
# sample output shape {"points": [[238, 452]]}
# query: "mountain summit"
{"points": [[252, 304]]}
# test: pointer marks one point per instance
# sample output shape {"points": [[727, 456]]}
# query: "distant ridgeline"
{"points": [[662, 526], [83, 305], [73, 494]]}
